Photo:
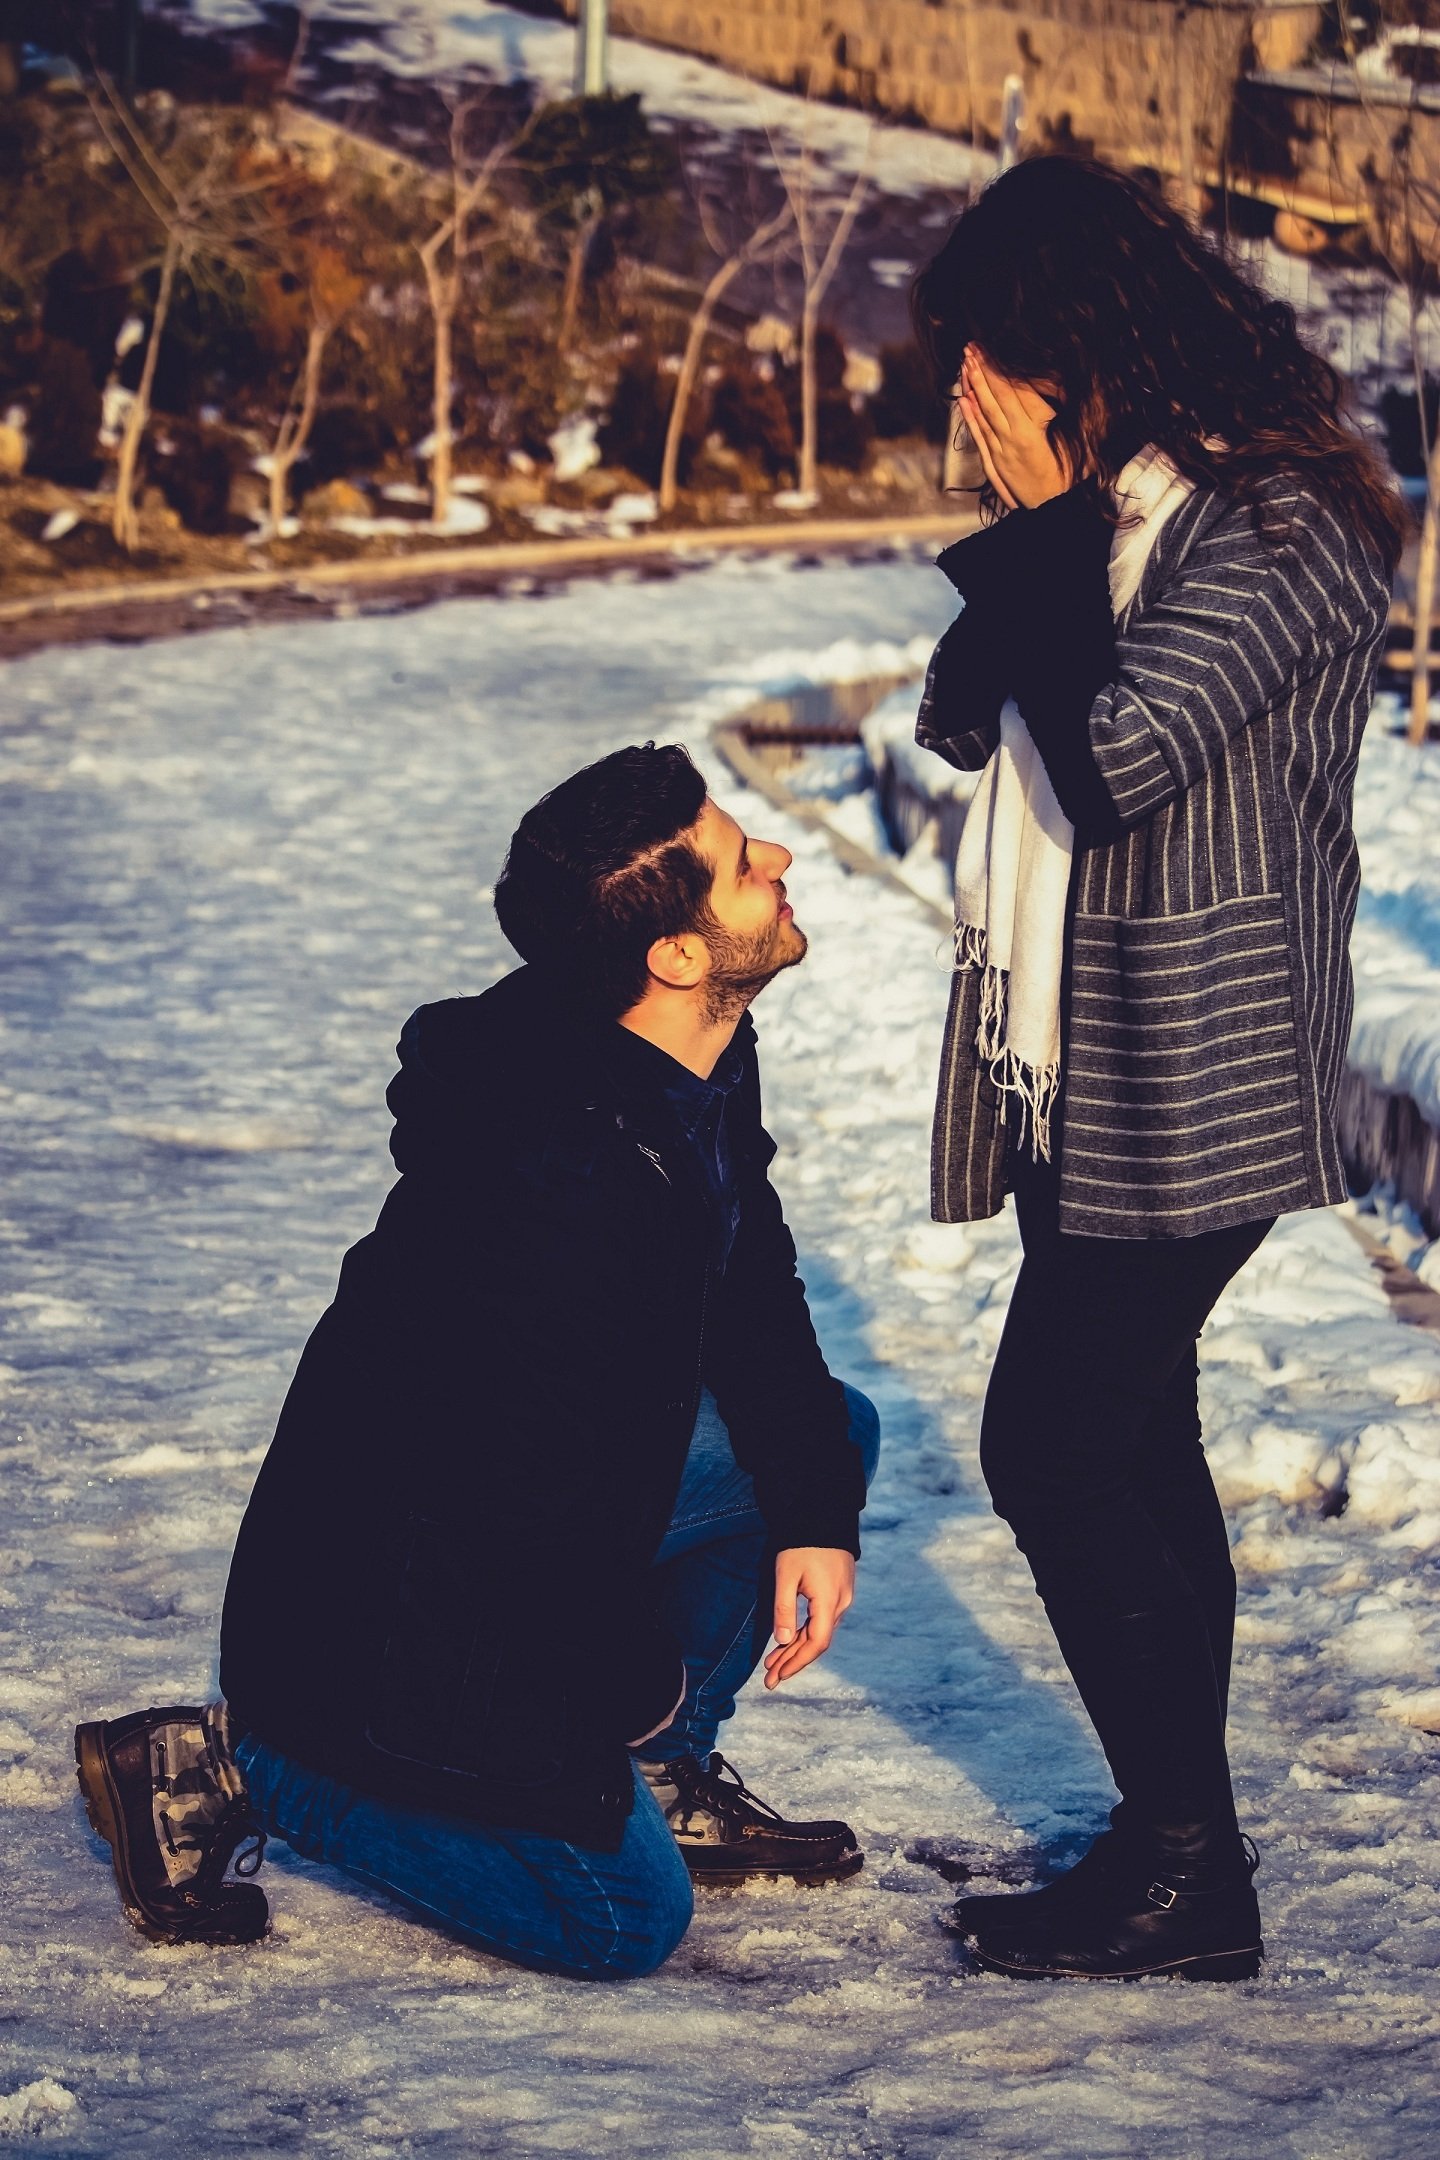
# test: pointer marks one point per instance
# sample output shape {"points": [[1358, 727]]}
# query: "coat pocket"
{"points": [[464, 1681], [1184, 1077]]}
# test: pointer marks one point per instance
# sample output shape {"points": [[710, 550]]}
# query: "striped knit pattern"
{"points": [[1209, 995]]}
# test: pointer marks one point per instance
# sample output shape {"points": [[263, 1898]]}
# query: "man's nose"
{"points": [[777, 859]]}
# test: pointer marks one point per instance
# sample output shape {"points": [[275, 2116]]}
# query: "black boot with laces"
{"points": [[163, 1790], [728, 1836]]}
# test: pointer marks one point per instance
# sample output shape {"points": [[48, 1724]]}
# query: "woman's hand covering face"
{"points": [[1007, 421]]}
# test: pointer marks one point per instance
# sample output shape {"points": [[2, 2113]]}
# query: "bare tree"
{"points": [[202, 200], [304, 15], [822, 232], [443, 256], [753, 249], [297, 419], [330, 290], [589, 211], [125, 520]]}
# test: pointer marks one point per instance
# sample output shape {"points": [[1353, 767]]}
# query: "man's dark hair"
{"points": [[602, 867]]}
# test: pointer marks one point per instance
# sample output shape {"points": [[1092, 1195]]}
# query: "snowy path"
{"points": [[236, 863]]}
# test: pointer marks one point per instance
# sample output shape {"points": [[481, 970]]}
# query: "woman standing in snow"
{"points": [[1164, 662]]}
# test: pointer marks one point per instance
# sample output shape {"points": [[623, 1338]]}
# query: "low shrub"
{"points": [[514, 385], [633, 436], [193, 465], [748, 409], [86, 300], [906, 402], [844, 429], [65, 414], [347, 440]]}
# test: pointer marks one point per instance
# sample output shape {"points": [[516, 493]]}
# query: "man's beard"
{"points": [[740, 967]]}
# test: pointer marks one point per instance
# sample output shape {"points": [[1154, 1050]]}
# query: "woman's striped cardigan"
{"points": [[1209, 992]]}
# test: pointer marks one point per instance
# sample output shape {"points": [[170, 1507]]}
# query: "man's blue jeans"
{"points": [[715, 1588], [538, 1900]]}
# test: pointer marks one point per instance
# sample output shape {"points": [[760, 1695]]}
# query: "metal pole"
{"points": [[591, 26], [129, 56], [1012, 119]]}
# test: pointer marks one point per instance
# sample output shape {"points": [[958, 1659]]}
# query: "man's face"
{"points": [[753, 933]]}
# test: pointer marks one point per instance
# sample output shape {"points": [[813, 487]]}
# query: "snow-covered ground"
{"points": [[236, 863], [1396, 1038]]}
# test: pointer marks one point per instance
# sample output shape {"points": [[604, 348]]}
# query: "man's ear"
{"points": [[679, 963]]}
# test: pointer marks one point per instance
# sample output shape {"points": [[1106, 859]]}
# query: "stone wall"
{"points": [[1135, 81], [1143, 83], [1119, 76]]}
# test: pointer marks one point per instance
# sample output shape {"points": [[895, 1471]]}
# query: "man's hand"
{"points": [[1007, 421], [824, 1575]]}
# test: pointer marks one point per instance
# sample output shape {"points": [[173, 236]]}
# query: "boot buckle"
{"points": [[1162, 1895]]}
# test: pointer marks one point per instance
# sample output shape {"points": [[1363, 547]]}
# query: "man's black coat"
{"points": [[441, 1587]]}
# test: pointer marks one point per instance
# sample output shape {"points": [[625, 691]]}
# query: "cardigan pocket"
{"points": [[1184, 1028]]}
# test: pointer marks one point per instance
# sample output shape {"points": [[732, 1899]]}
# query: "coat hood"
{"points": [[480, 1074], [478, 1071]]}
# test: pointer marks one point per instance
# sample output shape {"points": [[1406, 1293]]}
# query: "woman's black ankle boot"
{"points": [[1082, 1881], [1180, 1899]]}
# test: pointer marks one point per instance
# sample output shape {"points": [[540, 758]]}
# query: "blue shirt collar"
{"points": [[652, 1071]]}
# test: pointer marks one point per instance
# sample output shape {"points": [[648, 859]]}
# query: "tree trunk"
{"points": [[442, 461], [1424, 611], [125, 524], [728, 271], [684, 388], [575, 278], [809, 403], [295, 427], [280, 463], [817, 284], [297, 50]]}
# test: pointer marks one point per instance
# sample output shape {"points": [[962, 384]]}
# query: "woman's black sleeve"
{"points": [[1045, 586], [1067, 655]]}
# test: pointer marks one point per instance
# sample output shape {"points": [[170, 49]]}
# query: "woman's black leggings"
{"points": [[1091, 1449]]}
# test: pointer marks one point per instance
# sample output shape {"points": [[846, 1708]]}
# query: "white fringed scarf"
{"points": [[1012, 872]]}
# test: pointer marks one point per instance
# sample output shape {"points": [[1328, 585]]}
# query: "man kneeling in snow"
{"points": [[558, 1453]]}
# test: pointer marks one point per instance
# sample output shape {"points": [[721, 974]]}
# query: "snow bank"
{"points": [[889, 735], [464, 519], [1396, 1036]]}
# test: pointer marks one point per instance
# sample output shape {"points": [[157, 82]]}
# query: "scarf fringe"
{"points": [[1035, 1088]]}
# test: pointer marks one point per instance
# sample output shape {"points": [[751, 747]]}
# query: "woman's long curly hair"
{"points": [[1074, 277]]}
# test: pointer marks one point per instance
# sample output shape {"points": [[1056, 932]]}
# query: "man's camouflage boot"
{"points": [[728, 1836], [163, 1790]]}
